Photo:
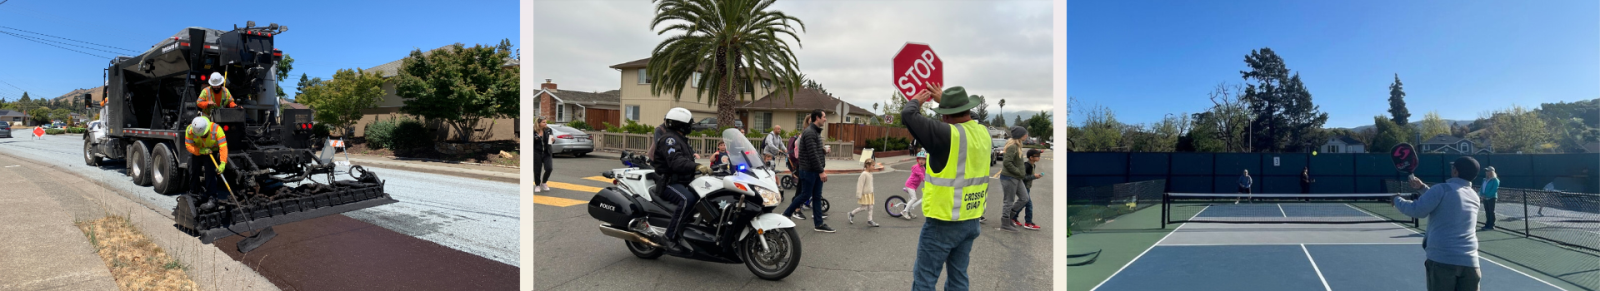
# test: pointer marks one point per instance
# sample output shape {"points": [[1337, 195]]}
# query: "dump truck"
{"points": [[273, 175]]}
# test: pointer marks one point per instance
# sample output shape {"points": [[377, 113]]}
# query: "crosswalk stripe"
{"points": [[573, 187], [598, 179], [556, 201]]}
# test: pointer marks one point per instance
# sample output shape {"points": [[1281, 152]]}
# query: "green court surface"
{"points": [[1123, 239]]}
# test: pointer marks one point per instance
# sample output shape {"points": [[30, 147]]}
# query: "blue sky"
{"points": [[323, 36], [1144, 59]]}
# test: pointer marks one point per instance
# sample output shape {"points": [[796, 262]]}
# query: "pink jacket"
{"points": [[917, 174]]}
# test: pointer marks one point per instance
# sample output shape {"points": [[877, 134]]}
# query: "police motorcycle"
{"points": [[731, 223]]}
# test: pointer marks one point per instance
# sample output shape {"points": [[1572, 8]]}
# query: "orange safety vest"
{"points": [[208, 101], [204, 143]]}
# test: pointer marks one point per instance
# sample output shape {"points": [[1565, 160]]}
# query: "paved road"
{"points": [[573, 255], [474, 216]]}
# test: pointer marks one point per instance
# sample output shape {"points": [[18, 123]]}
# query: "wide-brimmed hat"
{"points": [[955, 100]]}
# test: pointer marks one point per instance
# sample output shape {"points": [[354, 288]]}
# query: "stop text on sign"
{"points": [[915, 67]]}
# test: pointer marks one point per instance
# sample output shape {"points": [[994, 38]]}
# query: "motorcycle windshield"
{"points": [[741, 155]]}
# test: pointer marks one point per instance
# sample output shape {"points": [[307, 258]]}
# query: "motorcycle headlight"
{"points": [[768, 197]]}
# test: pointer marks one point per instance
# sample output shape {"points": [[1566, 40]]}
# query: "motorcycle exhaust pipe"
{"points": [[626, 235]]}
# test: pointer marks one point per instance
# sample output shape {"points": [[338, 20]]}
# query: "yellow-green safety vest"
{"points": [[961, 190]]}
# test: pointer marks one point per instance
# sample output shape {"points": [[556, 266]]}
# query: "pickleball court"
{"points": [[1290, 242]]}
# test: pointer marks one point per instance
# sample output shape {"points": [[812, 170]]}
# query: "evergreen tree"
{"points": [[1397, 102]]}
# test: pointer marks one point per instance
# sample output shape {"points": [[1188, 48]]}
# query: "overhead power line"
{"points": [[18, 29], [41, 39], [32, 39]]}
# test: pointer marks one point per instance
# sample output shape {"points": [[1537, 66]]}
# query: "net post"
{"points": [[1526, 230], [1164, 208]]}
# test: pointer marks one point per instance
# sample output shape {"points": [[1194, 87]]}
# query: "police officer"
{"points": [[957, 184], [673, 159], [214, 96], [204, 138]]}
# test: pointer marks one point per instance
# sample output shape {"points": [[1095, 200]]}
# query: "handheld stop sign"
{"points": [[914, 67]]}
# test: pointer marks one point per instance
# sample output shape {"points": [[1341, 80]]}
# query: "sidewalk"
{"points": [[485, 172], [42, 249]]}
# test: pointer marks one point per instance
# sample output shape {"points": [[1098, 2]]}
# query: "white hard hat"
{"points": [[202, 123], [680, 115], [216, 79]]}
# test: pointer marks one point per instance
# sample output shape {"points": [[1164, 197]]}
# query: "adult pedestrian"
{"points": [[1244, 185], [811, 160], [957, 184], [1012, 172], [1452, 210], [772, 145], [1490, 195], [542, 157]]}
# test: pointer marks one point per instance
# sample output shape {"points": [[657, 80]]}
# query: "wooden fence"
{"points": [[859, 134], [639, 143]]}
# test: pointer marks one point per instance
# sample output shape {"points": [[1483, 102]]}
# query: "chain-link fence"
{"points": [[1088, 207]]}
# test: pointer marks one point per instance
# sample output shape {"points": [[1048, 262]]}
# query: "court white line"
{"points": [[1481, 257], [1282, 244], [1280, 210], [1146, 250], [1315, 268]]}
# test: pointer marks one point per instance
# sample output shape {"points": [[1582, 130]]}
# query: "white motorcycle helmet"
{"points": [[216, 79], [679, 119]]}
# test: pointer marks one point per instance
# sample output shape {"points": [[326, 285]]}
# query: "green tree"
{"points": [[39, 115], [1397, 102], [1041, 125], [730, 42], [1387, 134], [1432, 125], [999, 121], [1100, 131], [338, 102], [283, 73], [1017, 120], [1517, 130], [460, 86], [1284, 119]]}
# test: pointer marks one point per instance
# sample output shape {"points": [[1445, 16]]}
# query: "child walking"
{"points": [[1027, 182], [864, 193]]}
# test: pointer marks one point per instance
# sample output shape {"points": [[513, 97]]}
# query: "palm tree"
{"points": [[1002, 114], [730, 43]]}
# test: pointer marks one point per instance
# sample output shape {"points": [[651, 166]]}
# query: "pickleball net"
{"points": [[1281, 208], [1571, 219]]}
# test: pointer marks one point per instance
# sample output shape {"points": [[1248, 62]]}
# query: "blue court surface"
{"points": [[1291, 256]]}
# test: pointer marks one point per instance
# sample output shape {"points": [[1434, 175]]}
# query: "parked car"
{"points": [[999, 145], [570, 141], [5, 129], [711, 123]]}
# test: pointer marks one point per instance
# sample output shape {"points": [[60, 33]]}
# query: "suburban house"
{"points": [[593, 108], [1342, 145], [639, 104], [388, 106], [1449, 144], [759, 107], [777, 108], [14, 118]]}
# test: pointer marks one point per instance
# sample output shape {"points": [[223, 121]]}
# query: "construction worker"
{"points": [[204, 138], [957, 184], [215, 96]]}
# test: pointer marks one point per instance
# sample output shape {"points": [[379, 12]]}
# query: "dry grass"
{"points": [[136, 262]]}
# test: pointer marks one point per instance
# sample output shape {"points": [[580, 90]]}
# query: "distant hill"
{"points": [[96, 92], [1417, 123]]}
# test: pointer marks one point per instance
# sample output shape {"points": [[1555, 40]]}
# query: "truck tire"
{"points": [[139, 164], [164, 171], [88, 154]]}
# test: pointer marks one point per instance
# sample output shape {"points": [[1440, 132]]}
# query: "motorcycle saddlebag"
{"points": [[612, 207]]}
